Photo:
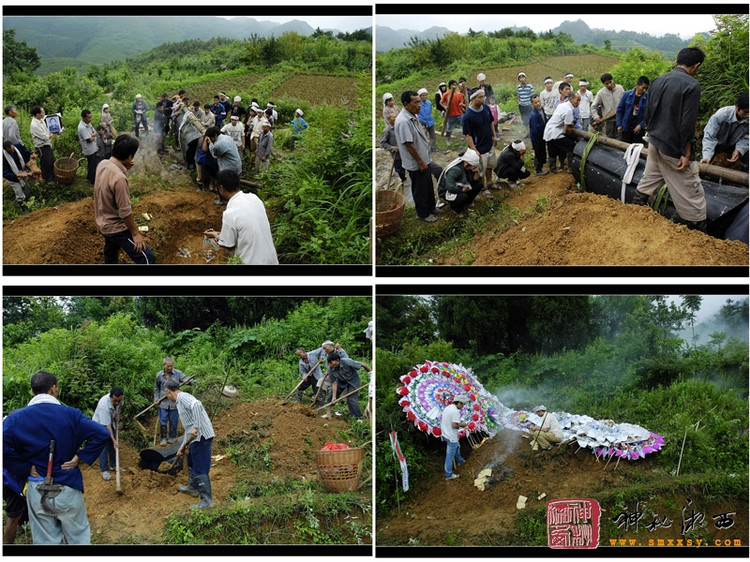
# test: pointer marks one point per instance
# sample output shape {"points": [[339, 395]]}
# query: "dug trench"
{"points": [[456, 513], [283, 436]]}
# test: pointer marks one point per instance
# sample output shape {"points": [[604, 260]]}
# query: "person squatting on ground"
{"points": [[547, 432], [461, 181], [726, 132], [670, 117], [107, 413], [450, 423], [199, 437], [27, 436], [414, 147], [630, 112], [112, 209], [510, 163], [167, 409], [15, 171], [244, 224], [344, 373]]}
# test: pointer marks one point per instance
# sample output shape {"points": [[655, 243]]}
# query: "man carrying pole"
{"points": [[199, 437]]}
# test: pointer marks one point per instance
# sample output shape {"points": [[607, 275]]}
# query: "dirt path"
{"points": [[138, 516]]}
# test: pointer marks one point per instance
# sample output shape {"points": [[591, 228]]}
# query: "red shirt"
{"points": [[455, 108]]}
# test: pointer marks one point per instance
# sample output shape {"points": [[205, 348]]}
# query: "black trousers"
{"points": [[465, 198], [422, 189], [91, 163], [114, 242], [540, 155], [560, 148], [47, 163]]}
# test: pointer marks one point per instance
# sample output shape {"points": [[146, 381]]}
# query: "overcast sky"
{"points": [[346, 24], [683, 25]]}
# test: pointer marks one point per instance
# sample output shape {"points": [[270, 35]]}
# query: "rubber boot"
{"points": [[190, 488], [204, 489], [163, 435], [640, 198]]}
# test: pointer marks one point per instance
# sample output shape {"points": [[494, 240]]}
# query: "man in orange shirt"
{"points": [[456, 109]]}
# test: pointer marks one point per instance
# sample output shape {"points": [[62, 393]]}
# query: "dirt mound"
{"points": [[138, 515], [556, 224], [68, 234], [588, 229]]}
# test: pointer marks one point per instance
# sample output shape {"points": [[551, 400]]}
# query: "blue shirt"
{"points": [[299, 125], [425, 114], [625, 111], [26, 439], [537, 121], [478, 125]]}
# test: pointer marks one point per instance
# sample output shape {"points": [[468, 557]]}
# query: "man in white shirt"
{"points": [[558, 128], [43, 143], [587, 98], [87, 139], [199, 437], [245, 225], [449, 426], [107, 413], [547, 432]]}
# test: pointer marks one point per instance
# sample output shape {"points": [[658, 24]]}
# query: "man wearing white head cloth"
{"points": [[460, 181], [483, 85], [480, 136], [547, 431], [425, 117], [510, 163]]}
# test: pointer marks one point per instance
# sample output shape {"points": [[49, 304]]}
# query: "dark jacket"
{"points": [[537, 121], [7, 172], [26, 440], [510, 165], [625, 110], [672, 111]]}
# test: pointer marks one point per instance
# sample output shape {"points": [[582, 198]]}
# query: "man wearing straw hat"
{"points": [[449, 426], [547, 432]]}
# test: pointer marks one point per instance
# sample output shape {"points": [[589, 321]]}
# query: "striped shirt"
{"points": [[193, 414], [524, 94]]}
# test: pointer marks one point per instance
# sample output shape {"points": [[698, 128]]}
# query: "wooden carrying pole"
{"points": [[445, 121], [342, 397], [727, 174], [117, 458]]}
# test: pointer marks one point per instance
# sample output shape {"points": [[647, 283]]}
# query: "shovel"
{"points": [[189, 439], [118, 489], [48, 489], [342, 397], [300, 383], [322, 382]]}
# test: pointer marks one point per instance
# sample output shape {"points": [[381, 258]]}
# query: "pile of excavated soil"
{"points": [[139, 514], [68, 234]]}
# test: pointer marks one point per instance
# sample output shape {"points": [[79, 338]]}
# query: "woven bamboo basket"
{"points": [[66, 168], [389, 208], [339, 470]]}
